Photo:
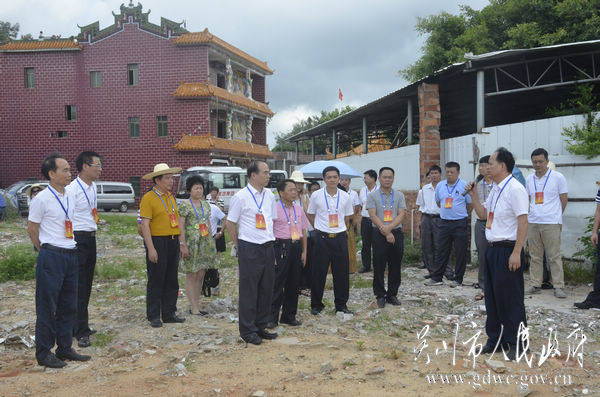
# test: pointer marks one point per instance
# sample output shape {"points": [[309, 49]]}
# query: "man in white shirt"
{"points": [[506, 229], [329, 211], [484, 186], [252, 210], [430, 218], [366, 226], [50, 229], [548, 195], [85, 220]]}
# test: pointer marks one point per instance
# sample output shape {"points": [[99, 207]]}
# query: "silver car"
{"points": [[115, 195]]}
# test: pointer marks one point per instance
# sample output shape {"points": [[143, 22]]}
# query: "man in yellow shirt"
{"points": [[160, 230]]}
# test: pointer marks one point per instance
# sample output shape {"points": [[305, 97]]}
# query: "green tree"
{"points": [[8, 31], [503, 24], [321, 142]]}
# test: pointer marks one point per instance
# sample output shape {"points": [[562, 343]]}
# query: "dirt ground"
{"points": [[371, 354]]}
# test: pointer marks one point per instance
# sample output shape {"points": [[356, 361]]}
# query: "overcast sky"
{"points": [[314, 46]]}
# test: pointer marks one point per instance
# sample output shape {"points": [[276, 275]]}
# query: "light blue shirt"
{"points": [[459, 203]]}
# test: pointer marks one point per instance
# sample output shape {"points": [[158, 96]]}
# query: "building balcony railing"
{"points": [[201, 143]]}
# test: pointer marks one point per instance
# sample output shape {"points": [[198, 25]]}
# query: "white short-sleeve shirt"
{"points": [[507, 207], [354, 198], [550, 212], [364, 193], [215, 216], [83, 220], [321, 209], [428, 205], [46, 210], [243, 209]]}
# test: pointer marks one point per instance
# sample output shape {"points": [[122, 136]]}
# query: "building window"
{"points": [[95, 79], [134, 127], [29, 78], [71, 112], [162, 125], [61, 134], [221, 80], [132, 74], [135, 182]]}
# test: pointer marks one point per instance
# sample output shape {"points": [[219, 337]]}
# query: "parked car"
{"points": [[115, 195], [228, 179], [17, 197]]}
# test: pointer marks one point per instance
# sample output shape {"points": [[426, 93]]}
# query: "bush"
{"points": [[412, 252], [588, 250], [17, 262]]}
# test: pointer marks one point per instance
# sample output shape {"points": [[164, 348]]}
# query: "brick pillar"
{"points": [[429, 127]]}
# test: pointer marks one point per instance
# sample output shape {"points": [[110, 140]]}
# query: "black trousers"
{"points": [[456, 233], [594, 297], [504, 296], [306, 271], [86, 258], [390, 256], [429, 239], [288, 262], [163, 286], [366, 229], [257, 274], [332, 250], [55, 301]]}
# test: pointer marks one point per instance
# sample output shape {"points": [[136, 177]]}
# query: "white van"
{"points": [[115, 195], [229, 180]]}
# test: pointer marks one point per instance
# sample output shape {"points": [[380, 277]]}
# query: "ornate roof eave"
{"points": [[40, 46], [203, 143]]}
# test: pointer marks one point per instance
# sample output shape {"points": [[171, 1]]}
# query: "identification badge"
{"points": [[539, 197], [490, 219], [173, 220], [203, 230], [294, 232], [448, 202], [95, 215], [387, 215], [260, 221], [68, 229], [333, 220]]}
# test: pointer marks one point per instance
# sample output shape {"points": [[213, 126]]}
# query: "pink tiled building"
{"points": [[137, 93]]}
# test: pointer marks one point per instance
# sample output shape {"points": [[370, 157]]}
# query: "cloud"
{"points": [[284, 120]]}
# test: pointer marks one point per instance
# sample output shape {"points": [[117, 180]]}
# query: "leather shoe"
{"points": [[422, 267], [488, 348], [392, 300], [266, 334], [51, 361], [253, 339], [363, 270], [381, 303], [314, 311], [292, 322], [583, 305], [84, 341], [174, 319], [345, 310], [156, 323], [427, 276], [72, 355], [271, 325]]}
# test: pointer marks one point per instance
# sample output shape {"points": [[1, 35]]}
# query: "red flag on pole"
{"points": [[340, 94]]}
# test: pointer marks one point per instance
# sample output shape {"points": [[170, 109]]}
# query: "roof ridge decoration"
{"points": [[207, 38], [206, 90], [167, 28]]}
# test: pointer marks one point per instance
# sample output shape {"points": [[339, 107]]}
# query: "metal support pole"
{"points": [[480, 101], [333, 143], [312, 148], [297, 157], [365, 145], [409, 125]]}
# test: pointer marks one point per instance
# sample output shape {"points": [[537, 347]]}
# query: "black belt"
{"points": [[431, 215], [85, 233], [330, 235], [481, 220], [503, 243], [286, 240], [59, 249], [454, 220], [170, 236]]}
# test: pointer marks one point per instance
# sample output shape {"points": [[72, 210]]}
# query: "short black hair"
{"points": [[85, 158], [213, 188], [330, 168], [386, 169], [372, 174], [435, 167], [281, 185], [194, 180], [484, 159], [453, 164], [313, 183], [253, 168], [506, 157], [540, 151], [49, 164]]}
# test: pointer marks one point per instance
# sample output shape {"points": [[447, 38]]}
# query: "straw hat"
{"points": [[34, 186], [161, 169], [298, 176]]}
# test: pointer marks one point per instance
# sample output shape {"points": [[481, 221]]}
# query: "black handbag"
{"points": [[211, 280]]}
